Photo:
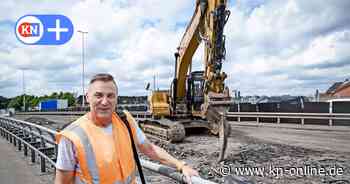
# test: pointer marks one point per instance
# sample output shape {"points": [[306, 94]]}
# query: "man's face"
{"points": [[102, 97]]}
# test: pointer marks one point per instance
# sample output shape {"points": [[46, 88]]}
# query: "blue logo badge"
{"points": [[44, 29]]}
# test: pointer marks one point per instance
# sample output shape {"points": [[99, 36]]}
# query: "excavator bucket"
{"points": [[216, 116], [214, 109], [224, 133]]}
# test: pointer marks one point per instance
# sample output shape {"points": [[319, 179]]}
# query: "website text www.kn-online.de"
{"points": [[278, 172]]}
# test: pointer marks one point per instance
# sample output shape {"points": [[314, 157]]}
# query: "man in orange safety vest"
{"points": [[96, 148]]}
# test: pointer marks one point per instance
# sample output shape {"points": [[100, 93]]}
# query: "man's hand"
{"points": [[156, 153], [188, 172]]}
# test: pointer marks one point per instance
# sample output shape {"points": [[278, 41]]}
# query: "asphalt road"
{"points": [[17, 169], [317, 137]]}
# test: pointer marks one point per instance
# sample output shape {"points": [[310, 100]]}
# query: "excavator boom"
{"points": [[207, 25], [199, 96]]}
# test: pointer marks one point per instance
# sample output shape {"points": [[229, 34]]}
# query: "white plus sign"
{"points": [[57, 29]]}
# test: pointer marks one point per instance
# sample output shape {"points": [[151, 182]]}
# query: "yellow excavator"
{"points": [[196, 99]]}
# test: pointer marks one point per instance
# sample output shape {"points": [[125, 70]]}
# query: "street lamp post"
{"points": [[83, 63], [24, 93]]}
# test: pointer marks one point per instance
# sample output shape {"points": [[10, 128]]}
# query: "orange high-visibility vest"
{"points": [[103, 158]]}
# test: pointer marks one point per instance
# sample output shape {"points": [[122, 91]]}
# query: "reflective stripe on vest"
{"points": [[92, 146], [131, 179], [89, 153]]}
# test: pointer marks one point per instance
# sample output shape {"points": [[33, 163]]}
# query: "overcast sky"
{"points": [[273, 47]]}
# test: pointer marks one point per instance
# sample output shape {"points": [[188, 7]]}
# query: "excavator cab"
{"points": [[195, 92]]}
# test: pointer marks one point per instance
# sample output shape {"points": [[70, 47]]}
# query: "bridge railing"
{"points": [[40, 141], [258, 116], [301, 116], [37, 140]]}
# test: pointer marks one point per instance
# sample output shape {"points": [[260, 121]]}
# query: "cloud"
{"points": [[273, 47], [286, 45]]}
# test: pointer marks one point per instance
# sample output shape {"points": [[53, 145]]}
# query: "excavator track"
{"points": [[175, 131], [163, 129]]}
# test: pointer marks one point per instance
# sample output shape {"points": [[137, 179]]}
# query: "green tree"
{"points": [[33, 101], [60, 95], [54, 95], [4, 102], [69, 97], [16, 102]]}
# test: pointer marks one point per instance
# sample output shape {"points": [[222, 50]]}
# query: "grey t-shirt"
{"points": [[67, 158]]}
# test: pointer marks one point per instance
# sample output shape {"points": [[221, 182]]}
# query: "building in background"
{"points": [[337, 90]]}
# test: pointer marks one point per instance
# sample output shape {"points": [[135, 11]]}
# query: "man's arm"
{"points": [[64, 177], [66, 162], [157, 153]]}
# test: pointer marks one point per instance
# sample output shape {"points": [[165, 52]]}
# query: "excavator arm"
{"points": [[188, 46], [206, 25]]}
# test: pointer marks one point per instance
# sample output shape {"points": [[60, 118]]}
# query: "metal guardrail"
{"points": [[131, 107], [66, 113], [302, 116], [37, 139], [276, 115], [78, 113], [41, 141]]}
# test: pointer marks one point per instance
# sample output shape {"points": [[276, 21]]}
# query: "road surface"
{"points": [[17, 169]]}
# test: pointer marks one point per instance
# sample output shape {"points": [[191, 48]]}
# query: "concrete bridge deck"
{"points": [[17, 169]]}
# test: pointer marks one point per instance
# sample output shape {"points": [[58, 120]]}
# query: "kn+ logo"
{"points": [[44, 29]]}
